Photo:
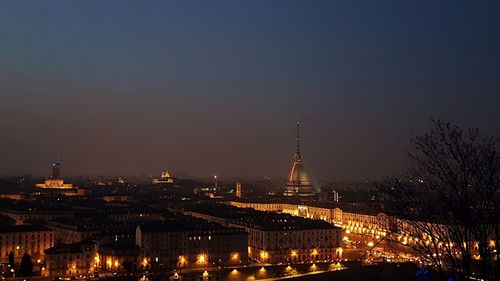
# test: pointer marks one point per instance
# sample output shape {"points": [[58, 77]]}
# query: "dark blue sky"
{"points": [[215, 87]]}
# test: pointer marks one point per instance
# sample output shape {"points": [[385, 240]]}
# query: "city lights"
{"points": [[155, 141], [182, 260], [264, 255], [235, 257], [201, 259]]}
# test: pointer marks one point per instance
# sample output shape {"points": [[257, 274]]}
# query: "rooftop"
{"points": [[122, 248], [33, 206], [358, 208], [189, 224], [22, 228], [80, 247], [259, 219]]}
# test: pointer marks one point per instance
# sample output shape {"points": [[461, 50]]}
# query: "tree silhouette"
{"points": [[447, 205], [26, 266], [12, 262], [128, 266]]}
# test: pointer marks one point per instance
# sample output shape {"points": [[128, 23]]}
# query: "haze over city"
{"points": [[204, 88]]}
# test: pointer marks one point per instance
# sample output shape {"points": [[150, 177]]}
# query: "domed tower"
{"points": [[56, 170], [298, 180]]}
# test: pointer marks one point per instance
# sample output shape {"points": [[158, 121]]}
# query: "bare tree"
{"points": [[446, 206]]}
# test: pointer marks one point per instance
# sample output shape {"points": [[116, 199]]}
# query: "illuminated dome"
{"points": [[298, 174], [298, 180]]}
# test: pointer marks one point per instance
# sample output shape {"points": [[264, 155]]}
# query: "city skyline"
{"points": [[249, 140], [124, 88]]}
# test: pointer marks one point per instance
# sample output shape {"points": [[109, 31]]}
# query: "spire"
{"points": [[298, 155]]}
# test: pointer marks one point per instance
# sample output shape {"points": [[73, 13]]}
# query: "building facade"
{"points": [[353, 218], [185, 245], [271, 244], [69, 232], [278, 238], [21, 239], [70, 259], [55, 181], [117, 257], [330, 214]]}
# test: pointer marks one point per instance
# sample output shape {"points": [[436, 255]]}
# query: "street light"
{"points": [[202, 259]]}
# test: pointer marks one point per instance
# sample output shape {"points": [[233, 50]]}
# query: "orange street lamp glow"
{"points": [[264, 255], [313, 267], [182, 259], [202, 259]]}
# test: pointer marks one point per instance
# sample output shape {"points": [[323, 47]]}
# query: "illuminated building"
{"points": [[70, 259], [353, 218], [115, 198], [21, 239], [298, 182], [361, 219], [13, 196], [291, 239], [73, 231], [75, 192], [335, 196], [70, 231], [113, 256], [55, 181], [331, 214], [238, 189], [190, 242], [277, 238], [165, 178]]}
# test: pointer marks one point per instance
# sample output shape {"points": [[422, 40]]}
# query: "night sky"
{"points": [[215, 87]]}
